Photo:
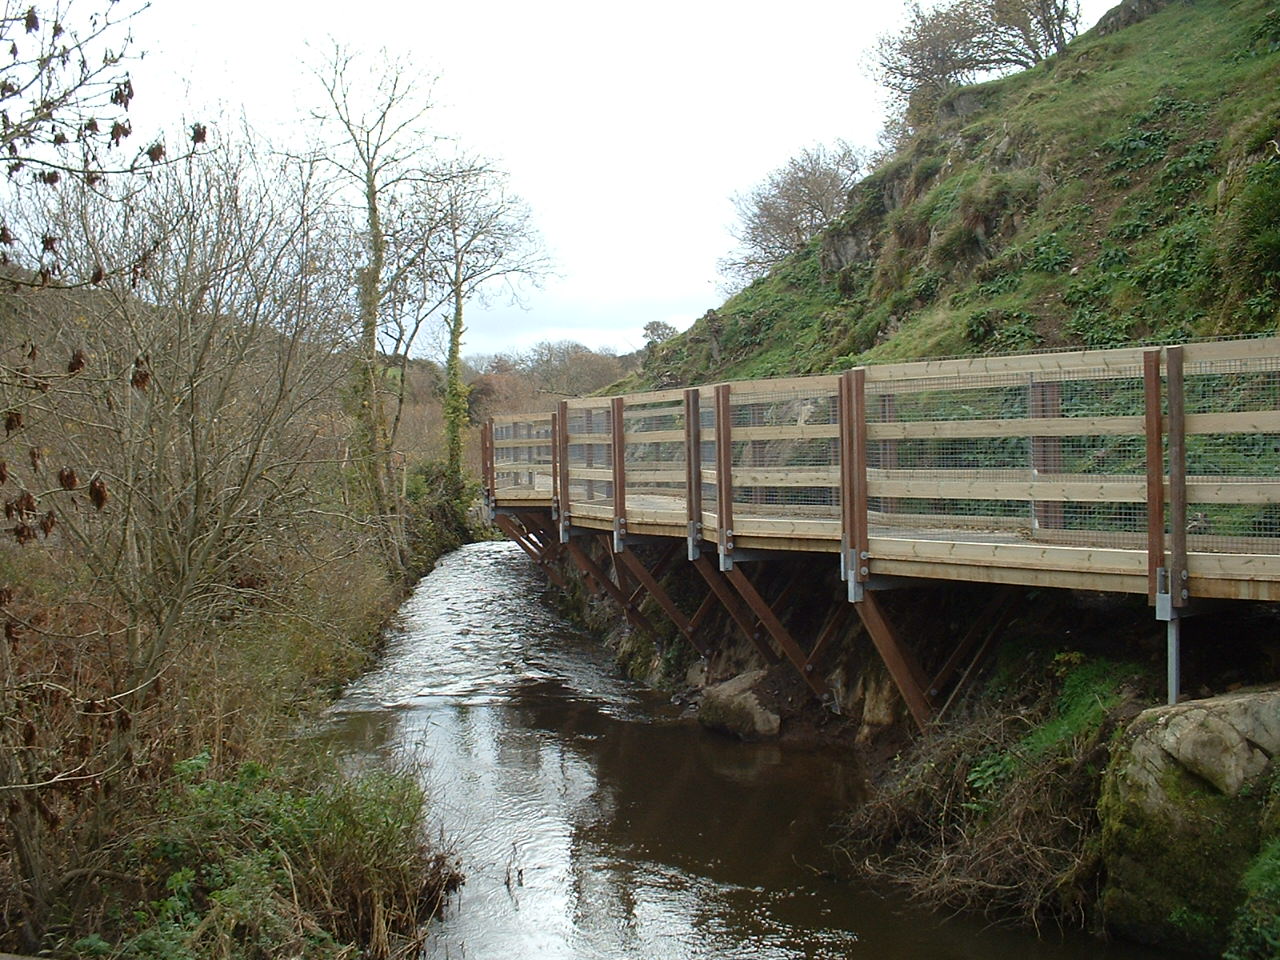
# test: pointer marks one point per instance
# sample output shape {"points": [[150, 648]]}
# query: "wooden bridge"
{"points": [[1138, 470]]}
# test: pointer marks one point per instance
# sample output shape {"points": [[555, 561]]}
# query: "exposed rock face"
{"points": [[733, 707], [1185, 808], [1129, 12]]}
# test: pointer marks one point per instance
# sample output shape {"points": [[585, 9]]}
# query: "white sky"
{"points": [[625, 127]]}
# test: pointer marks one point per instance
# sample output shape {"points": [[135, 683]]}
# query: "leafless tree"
{"points": [[779, 215], [483, 240], [957, 43]]}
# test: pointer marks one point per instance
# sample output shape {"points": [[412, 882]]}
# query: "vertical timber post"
{"points": [[693, 468], [844, 421], [860, 571], [1157, 572], [724, 474], [562, 476], [1179, 579], [618, 445]]}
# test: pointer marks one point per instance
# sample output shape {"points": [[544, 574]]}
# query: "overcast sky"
{"points": [[626, 128]]}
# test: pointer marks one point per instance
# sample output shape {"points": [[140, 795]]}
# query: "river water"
{"points": [[592, 821]]}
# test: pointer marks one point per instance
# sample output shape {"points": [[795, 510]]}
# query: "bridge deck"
{"points": [[1134, 470]]}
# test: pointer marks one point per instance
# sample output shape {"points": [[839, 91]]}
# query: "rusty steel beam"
{"points": [[592, 570], [655, 589], [993, 616], [835, 622], [903, 667], [730, 601], [541, 556], [704, 610], [781, 635], [1154, 429]]}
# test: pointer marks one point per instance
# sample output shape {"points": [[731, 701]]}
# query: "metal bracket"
{"points": [[619, 534], [694, 540]]}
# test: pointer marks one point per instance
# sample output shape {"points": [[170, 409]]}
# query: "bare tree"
{"points": [[957, 43], [379, 146], [779, 215], [483, 239], [171, 420]]}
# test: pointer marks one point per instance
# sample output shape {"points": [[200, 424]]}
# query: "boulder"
{"points": [[1184, 810], [734, 707]]}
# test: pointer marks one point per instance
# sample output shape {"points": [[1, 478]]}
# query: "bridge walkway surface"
{"points": [[1149, 470]]}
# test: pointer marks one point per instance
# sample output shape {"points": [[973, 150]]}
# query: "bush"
{"points": [[1255, 935]]}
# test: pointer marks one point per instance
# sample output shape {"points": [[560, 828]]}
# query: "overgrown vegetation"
{"points": [[996, 813], [1126, 188]]}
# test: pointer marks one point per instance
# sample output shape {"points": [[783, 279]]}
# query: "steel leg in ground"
{"points": [[1173, 631]]}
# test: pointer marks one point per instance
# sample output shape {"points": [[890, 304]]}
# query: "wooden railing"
{"points": [[1150, 470]]}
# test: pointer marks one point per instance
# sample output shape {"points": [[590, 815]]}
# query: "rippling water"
{"points": [[593, 822]]}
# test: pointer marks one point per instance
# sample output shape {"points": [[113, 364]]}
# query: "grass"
{"points": [[1123, 190]]}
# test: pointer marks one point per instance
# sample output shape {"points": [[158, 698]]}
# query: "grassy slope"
{"points": [[1125, 190]]}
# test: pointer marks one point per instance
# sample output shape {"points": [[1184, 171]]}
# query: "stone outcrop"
{"points": [[734, 707], [1188, 802]]}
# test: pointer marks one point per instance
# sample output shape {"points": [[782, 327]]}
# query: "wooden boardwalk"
{"points": [[1138, 470]]}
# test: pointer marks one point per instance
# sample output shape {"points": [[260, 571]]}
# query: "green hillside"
{"points": [[1126, 189]]}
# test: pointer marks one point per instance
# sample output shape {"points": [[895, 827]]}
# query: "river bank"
{"points": [[1001, 809]]}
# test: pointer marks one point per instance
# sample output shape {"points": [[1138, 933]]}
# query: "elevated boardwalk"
{"points": [[1139, 470]]}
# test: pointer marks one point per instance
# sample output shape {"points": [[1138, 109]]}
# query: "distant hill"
{"points": [[1126, 189]]}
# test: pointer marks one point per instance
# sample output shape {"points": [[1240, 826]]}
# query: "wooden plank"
{"points": [[788, 476], [1176, 414], [1245, 349], [792, 387], [730, 601], [1021, 427], [1234, 566], [724, 469], [590, 403], [1028, 556], [1109, 490], [799, 431], [1060, 579], [1258, 421], [903, 667], [782, 527], [781, 635], [1068, 364], [637, 437], [524, 444], [655, 396]]}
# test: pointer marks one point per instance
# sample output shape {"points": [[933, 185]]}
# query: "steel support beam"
{"points": [[780, 634], [898, 658], [663, 599], [611, 589], [730, 601]]}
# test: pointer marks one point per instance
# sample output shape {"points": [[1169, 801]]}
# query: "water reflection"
{"points": [[594, 823]]}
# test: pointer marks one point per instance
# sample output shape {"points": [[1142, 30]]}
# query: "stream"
{"points": [[592, 821]]}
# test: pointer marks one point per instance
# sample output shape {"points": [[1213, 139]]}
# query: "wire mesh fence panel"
{"points": [[656, 468], [1233, 455], [785, 456], [1011, 456], [589, 462], [522, 457]]}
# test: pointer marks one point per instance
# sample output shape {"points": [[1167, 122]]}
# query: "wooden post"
{"points": [[1179, 583], [562, 478], [724, 474], [1154, 428], [488, 463], [618, 446], [848, 535], [861, 569], [693, 468], [1046, 452]]}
